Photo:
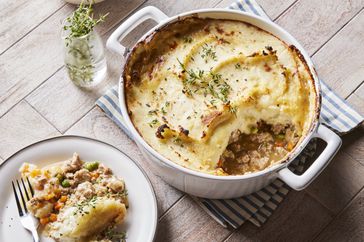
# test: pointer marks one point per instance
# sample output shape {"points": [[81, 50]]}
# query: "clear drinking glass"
{"points": [[84, 59]]}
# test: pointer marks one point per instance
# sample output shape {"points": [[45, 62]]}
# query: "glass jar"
{"points": [[84, 59]]}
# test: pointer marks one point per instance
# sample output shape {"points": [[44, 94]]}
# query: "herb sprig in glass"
{"points": [[84, 57], [82, 22]]}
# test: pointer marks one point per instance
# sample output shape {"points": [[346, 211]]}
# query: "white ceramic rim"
{"points": [[104, 143], [297, 150]]}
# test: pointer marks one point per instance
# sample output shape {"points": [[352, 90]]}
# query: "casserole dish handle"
{"points": [[128, 25], [299, 182]]}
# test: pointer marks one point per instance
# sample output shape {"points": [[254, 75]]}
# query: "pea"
{"points": [[66, 183], [91, 166]]}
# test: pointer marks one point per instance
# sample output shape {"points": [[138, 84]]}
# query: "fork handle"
{"points": [[35, 236]]}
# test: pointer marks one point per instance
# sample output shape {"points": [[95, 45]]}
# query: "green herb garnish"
{"points": [[163, 110], [187, 39], [82, 21], [153, 122], [153, 112], [115, 235], [208, 53], [232, 109], [87, 203], [80, 43]]}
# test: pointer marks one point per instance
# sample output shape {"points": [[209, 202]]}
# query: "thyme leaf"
{"points": [[153, 122]]}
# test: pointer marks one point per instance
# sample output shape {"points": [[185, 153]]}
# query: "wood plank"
{"points": [[21, 126], [60, 94], [39, 55], [71, 102], [224, 3], [298, 218], [274, 8], [353, 143], [19, 17], [97, 125], [348, 226], [186, 221], [175, 7], [29, 62], [313, 22], [340, 61], [338, 183], [171, 9], [356, 99]]}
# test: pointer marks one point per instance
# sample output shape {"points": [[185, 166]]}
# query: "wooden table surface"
{"points": [[38, 101]]}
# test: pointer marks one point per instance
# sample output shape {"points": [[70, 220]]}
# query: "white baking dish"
{"points": [[221, 187]]}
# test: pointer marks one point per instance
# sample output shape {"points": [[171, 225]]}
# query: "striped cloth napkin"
{"points": [[257, 207]]}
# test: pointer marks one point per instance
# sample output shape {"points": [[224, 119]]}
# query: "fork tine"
{"points": [[22, 197], [31, 188], [20, 211], [25, 189]]}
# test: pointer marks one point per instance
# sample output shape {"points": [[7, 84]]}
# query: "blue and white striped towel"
{"points": [[257, 207]]}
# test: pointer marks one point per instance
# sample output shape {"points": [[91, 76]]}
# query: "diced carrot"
{"points": [[63, 199], [44, 221], [279, 143], [95, 174], [53, 217], [58, 205], [289, 146], [57, 192]]}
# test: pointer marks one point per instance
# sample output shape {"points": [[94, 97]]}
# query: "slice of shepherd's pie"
{"points": [[76, 200]]}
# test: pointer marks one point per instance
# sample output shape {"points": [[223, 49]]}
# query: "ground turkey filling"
{"points": [[81, 186], [251, 152]]}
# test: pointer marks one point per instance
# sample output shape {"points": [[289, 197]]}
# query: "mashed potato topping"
{"points": [[195, 83], [76, 200]]}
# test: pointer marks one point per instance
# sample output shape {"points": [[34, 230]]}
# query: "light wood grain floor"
{"points": [[38, 101]]}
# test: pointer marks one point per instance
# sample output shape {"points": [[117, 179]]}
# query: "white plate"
{"points": [[141, 221]]}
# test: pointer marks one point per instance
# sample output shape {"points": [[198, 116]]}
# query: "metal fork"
{"points": [[26, 219]]}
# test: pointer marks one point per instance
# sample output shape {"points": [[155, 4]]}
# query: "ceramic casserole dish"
{"points": [[210, 185]]}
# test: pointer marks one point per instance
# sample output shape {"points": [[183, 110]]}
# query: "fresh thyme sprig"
{"points": [[213, 84], [82, 21], [81, 51], [192, 76], [208, 53], [218, 88]]}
